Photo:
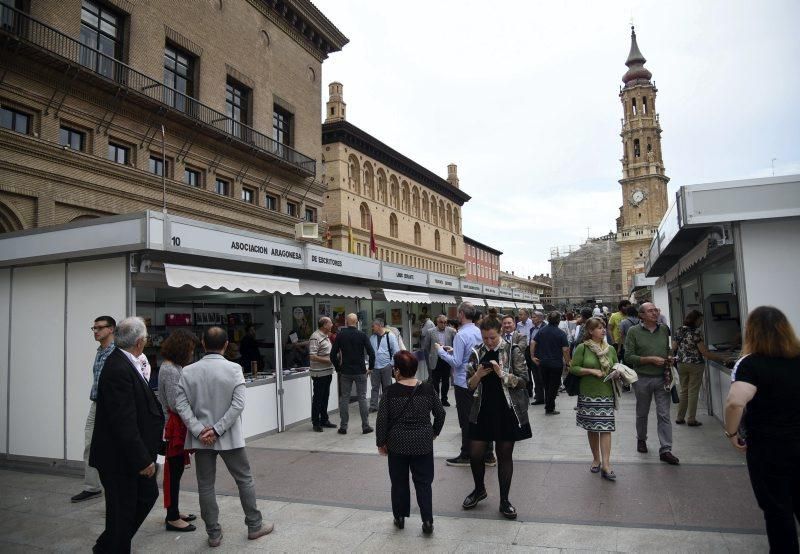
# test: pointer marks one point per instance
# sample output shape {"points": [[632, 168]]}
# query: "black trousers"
{"points": [[176, 467], [772, 464], [319, 399], [129, 498], [441, 374], [535, 383], [421, 468], [551, 380]]}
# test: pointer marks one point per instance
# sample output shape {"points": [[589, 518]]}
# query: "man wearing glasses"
{"points": [[103, 330]]}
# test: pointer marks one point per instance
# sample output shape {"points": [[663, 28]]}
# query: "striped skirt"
{"points": [[596, 413]]}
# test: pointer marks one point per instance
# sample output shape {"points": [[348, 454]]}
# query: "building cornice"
{"points": [[350, 135], [474, 242]]}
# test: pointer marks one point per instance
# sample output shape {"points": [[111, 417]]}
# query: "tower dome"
{"points": [[635, 62]]}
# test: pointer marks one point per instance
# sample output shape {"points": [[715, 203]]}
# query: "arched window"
{"points": [[449, 217], [354, 174], [452, 246], [425, 208], [417, 234], [637, 151], [394, 192], [644, 105], [364, 215], [381, 186], [406, 196], [633, 105], [437, 240], [456, 221], [393, 226], [434, 212], [415, 202], [442, 215], [369, 181]]}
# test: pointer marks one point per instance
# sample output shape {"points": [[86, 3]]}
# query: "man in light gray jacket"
{"points": [[438, 369], [210, 401]]}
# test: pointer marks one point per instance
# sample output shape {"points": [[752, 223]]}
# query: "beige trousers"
{"points": [[691, 377]]}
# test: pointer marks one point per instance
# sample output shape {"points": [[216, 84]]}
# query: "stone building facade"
{"points": [[86, 88], [540, 285], [587, 273], [414, 214], [482, 262], [644, 183]]}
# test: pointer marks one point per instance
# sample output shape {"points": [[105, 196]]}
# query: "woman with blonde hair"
{"points": [[592, 361], [766, 381]]}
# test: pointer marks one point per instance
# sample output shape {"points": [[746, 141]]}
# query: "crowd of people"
{"points": [[498, 365]]}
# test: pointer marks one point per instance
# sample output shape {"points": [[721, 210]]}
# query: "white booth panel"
{"points": [[36, 407], [333, 399], [94, 288], [296, 400], [5, 305], [771, 259], [260, 410]]}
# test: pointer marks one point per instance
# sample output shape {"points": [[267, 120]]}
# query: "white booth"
{"points": [[725, 249]]}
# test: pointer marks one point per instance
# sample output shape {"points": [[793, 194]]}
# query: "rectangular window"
{"points": [[237, 106], [248, 195], [271, 202], [156, 165], [281, 125], [311, 215], [14, 120], [71, 138], [178, 75], [191, 177], [101, 37], [291, 209], [118, 153], [222, 187]]}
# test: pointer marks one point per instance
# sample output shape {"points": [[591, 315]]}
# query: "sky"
{"points": [[524, 97]]}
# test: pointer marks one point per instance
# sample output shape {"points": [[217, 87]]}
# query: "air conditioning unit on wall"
{"points": [[306, 231]]}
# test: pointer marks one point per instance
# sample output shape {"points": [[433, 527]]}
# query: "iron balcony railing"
{"points": [[31, 31]]}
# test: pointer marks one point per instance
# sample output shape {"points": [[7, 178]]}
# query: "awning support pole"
{"points": [[276, 319]]}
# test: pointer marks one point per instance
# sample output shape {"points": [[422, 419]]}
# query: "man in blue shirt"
{"points": [[536, 382], [385, 346], [103, 330], [467, 338]]}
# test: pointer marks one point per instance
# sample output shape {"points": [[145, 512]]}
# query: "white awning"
{"points": [[321, 288], [525, 305], [201, 277], [538, 306], [497, 303], [442, 298], [474, 301], [406, 296]]}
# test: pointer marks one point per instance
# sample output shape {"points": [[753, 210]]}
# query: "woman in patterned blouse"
{"points": [[691, 352]]}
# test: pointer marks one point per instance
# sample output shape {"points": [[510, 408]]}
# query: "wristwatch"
{"points": [[730, 435]]}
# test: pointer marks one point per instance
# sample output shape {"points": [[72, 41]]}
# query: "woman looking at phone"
{"points": [[498, 375]]}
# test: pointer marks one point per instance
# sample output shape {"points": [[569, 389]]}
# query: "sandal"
{"points": [[595, 469], [610, 475]]}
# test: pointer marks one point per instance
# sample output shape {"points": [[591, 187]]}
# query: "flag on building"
{"points": [[373, 246], [351, 245]]}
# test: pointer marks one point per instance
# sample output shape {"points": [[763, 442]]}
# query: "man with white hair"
{"points": [[126, 439]]}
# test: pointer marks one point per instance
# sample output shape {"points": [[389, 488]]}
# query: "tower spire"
{"points": [[635, 62]]}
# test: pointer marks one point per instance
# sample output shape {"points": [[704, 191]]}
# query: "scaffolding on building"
{"points": [[587, 273]]}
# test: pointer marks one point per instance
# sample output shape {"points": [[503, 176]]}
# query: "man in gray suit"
{"points": [[210, 401], [439, 369]]}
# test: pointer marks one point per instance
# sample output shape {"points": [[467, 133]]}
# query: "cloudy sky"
{"points": [[524, 97]]}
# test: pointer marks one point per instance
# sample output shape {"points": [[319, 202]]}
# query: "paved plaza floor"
{"points": [[330, 492]]}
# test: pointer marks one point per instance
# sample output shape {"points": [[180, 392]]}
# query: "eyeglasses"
{"points": [[99, 328]]}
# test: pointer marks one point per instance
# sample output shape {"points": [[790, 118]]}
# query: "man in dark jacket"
{"points": [[127, 436], [347, 356]]}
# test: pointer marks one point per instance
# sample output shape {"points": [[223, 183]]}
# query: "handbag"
{"points": [[674, 393], [572, 384]]}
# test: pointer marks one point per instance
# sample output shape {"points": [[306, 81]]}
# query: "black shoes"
{"points": [[553, 412], [641, 446], [189, 528], [669, 458], [458, 461], [342, 431], [490, 461], [427, 527], [446, 404], [473, 498], [400, 522], [328, 425], [508, 510], [537, 402], [367, 430], [86, 495], [317, 429]]}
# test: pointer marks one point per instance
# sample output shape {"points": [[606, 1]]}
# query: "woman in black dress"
{"points": [[498, 375]]}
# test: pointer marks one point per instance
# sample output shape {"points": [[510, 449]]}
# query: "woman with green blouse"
{"points": [[592, 361]]}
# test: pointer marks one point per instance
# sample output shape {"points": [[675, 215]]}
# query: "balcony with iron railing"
{"points": [[22, 34]]}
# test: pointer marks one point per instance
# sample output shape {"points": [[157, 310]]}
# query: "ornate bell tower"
{"points": [[644, 184]]}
